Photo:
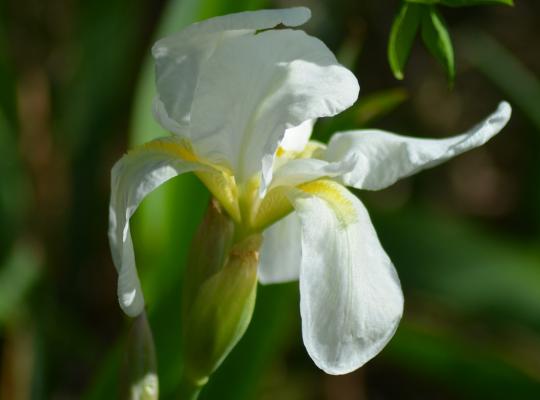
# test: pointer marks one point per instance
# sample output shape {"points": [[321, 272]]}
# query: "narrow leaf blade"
{"points": [[404, 29], [464, 3], [437, 39]]}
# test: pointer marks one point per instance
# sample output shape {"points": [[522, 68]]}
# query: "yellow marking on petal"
{"points": [[287, 154], [217, 178], [248, 200], [312, 149], [335, 195], [274, 206], [223, 188], [177, 149]]}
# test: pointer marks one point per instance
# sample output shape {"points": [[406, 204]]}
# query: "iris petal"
{"points": [[133, 177], [281, 254], [180, 57], [384, 157], [350, 296], [275, 81]]}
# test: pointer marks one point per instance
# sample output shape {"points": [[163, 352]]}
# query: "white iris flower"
{"points": [[240, 100]]}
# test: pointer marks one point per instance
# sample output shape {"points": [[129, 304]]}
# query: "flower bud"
{"points": [[222, 305], [209, 249]]}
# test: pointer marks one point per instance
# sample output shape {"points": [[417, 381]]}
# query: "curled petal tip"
{"points": [[131, 303], [297, 16], [505, 109]]}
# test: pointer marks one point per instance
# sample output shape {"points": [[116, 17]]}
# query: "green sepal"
{"points": [[402, 35]]}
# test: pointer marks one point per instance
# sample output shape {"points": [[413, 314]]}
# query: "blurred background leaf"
{"points": [[505, 70], [18, 273]]}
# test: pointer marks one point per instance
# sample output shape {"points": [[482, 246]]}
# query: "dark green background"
{"points": [[76, 85]]}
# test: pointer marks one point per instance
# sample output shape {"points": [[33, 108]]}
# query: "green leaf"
{"points": [[471, 367], [437, 39], [7, 76], [459, 278], [90, 105], [14, 185], [464, 3], [404, 29], [429, 2], [462, 266]]}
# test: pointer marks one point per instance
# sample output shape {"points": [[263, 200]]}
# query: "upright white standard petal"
{"points": [[275, 80], [384, 157], [246, 21], [133, 177], [179, 58], [281, 253], [350, 296]]}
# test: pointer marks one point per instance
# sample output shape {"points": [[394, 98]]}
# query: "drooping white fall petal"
{"points": [[275, 80], [350, 296], [133, 177], [384, 157]]}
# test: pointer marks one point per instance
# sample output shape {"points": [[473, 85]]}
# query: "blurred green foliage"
{"points": [[19, 273], [463, 3], [424, 15], [77, 86]]}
